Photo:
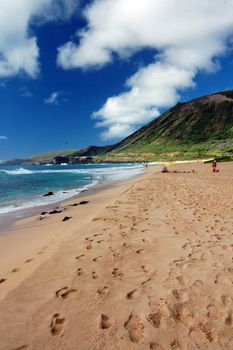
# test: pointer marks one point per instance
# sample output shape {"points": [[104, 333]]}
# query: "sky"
{"points": [[75, 73]]}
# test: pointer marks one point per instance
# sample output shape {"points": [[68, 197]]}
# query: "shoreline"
{"points": [[8, 220]]}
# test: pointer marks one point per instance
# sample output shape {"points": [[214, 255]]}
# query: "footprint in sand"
{"points": [[156, 346], [155, 319], [133, 294], [57, 324], [197, 287], [175, 345], [223, 281], [146, 268], [28, 261], [97, 258], [68, 292], [39, 253], [80, 272], [60, 291], [144, 283], [139, 251], [80, 256], [186, 245], [228, 319], [89, 246], [64, 292], [102, 240], [135, 328], [116, 255], [21, 347], [226, 300], [123, 234], [2, 280], [95, 275], [103, 291], [116, 272], [16, 269], [105, 322]]}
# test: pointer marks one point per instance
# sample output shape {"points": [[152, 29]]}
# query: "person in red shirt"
{"points": [[214, 165]]}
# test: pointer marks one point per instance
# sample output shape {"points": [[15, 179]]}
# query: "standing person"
{"points": [[214, 165]]}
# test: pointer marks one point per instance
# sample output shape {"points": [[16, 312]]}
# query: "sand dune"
{"points": [[148, 267]]}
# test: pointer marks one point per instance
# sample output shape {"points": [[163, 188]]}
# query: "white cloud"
{"points": [[3, 137], [53, 98], [19, 50], [187, 37]]}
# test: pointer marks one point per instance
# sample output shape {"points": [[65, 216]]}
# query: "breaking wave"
{"points": [[20, 171]]}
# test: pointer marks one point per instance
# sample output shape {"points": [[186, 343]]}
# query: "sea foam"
{"points": [[20, 171]]}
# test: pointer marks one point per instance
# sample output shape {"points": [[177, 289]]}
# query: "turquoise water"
{"points": [[23, 187]]}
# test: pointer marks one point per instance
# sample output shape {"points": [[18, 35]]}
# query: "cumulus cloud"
{"points": [[3, 137], [19, 50], [187, 36], [54, 97]]}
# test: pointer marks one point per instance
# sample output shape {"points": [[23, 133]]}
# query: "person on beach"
{"points": [[164, 170], [214, 166]]}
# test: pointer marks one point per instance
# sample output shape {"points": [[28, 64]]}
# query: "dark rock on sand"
{"points": [[74, 205], [83, 202], [67, 218], [48, 194], [55, 211], [43, 213]]}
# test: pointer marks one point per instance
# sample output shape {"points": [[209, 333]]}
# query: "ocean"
{"points": [[23, 187]]}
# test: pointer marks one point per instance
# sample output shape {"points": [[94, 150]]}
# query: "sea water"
{"points": [[23, 187]]}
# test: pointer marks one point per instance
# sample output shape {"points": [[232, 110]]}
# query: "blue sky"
{"points": [[48, 100]]}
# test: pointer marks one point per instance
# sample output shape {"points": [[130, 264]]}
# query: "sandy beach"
{"points": [[143, 265]]}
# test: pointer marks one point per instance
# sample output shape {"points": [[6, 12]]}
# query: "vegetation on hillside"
{"points": [[197, 129]]}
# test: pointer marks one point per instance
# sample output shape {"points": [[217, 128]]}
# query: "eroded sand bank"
{"points": [[147, 265]]}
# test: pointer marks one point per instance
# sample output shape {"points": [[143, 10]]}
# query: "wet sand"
{"points": [[145, 265]]}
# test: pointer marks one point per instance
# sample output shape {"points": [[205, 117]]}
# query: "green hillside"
{"points": [[199, 128]]}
